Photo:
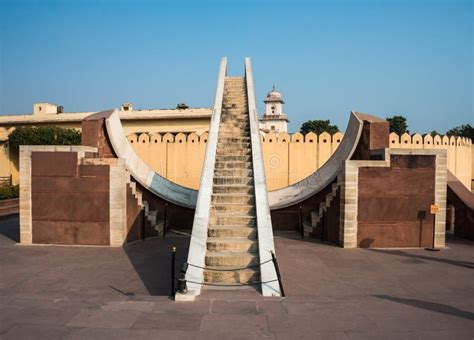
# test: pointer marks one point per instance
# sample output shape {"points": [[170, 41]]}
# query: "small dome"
{"points": [[273, 96]]}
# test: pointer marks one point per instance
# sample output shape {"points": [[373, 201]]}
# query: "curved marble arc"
{"points": [[322, 177], [141, 172]]}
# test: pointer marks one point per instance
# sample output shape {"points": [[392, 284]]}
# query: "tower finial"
{"points": [[273, 89]]}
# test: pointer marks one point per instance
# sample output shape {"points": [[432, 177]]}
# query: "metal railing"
{"points": [[182, 281]]}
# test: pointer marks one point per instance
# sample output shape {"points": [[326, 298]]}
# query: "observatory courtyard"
{"points": [[216, 223]]}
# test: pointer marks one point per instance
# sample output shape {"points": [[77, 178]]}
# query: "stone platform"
{"points": [[67, 292]]}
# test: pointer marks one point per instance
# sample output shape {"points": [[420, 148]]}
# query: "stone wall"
{"points": [[70, 202], [389, 200], [69, 196], [380, 200]]}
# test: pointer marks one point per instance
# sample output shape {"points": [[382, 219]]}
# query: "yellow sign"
{"points": [[434, 209]]}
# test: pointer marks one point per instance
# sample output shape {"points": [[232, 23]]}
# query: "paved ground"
{"points": [[49, 292]]}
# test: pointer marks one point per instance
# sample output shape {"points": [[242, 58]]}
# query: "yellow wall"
{"points": [[178, 158], [287, 158], [472, 169]]}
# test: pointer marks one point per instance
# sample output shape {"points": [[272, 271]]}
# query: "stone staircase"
{"points": [[317, 216], [150, 215], [232, 232]]}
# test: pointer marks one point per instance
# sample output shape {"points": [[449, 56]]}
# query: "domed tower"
{"points": [[274, 120]]}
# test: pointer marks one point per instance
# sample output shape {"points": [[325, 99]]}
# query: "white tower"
{"points": [[274, 120]]}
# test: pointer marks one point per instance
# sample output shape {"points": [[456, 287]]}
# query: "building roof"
{"points": [[71, 117]]}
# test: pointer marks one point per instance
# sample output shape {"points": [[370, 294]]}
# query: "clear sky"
{"points": [[413, 58]]}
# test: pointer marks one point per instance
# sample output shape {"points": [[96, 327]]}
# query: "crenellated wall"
{"points": [[287, 158], [178, 157]]}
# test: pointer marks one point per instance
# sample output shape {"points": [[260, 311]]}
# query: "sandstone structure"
{"points": [[372, 191]]}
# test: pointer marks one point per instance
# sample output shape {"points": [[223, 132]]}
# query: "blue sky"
{"points": [[413, 58]]}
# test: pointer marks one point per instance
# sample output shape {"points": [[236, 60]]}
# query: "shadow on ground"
{"points": [[151, 259], [296, 236], [10, 227], [430, 306], [465, 264]]}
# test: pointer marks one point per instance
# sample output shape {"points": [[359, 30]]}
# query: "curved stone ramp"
{"points": [[325, 175], [141, 172]]}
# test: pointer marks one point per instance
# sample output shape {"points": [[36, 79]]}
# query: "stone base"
{"points": [[188, 297]]}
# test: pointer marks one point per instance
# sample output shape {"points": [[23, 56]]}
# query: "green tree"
{"points": [[435, 133], [42, 135], [318, 127], [462, 131], [398, 124]]}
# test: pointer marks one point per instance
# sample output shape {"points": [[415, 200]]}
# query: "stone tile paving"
{"points": [[51, 292]]}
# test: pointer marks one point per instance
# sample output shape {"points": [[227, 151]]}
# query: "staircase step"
{"points": [[243, 220], [235, 89], [234, 115], [245, 276], [233, 180], [233, 189], [234, 96], [233, 172], [233, 198], [231, 258], [230, 139], [226, 129], [233, 208], [221, 158], [233, 165], [233, 152], [239, 244], [234, 146], [238, 121], [235, 105], [232, 231], [231, 122], [230, 135]]}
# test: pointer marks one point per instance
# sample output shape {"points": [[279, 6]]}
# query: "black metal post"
{"points": [[421, 216], [277, 269], [301, 221], [143, 224], [173, 266], [323, 220], [165, 217], [182, 288], [421, 230], [433, 248]]}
